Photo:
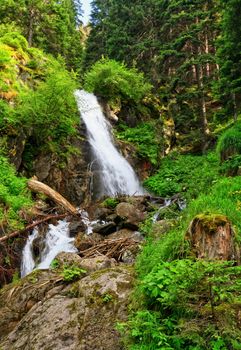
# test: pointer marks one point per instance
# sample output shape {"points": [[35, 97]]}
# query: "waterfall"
{"points": [[57, 240], [28, 261], [116, 174]]}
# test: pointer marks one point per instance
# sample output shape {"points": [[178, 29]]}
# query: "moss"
{"points": [[211, 222]]}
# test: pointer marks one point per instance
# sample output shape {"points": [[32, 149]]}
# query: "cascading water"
{"points": [[57, 240], [116, 174], [116, 177]]}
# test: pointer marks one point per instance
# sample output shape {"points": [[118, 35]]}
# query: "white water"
{"points": [[28, 262], [116, 174], [57, 240]]}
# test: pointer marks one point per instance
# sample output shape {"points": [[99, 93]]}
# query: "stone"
{"points": [[42, 312], [83, 241], [125, 233], [130, 215], [64, 258], [97, 263], [105, 229], [75, 227]]}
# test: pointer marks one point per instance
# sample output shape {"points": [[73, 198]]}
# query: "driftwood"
{"points": [[112, 248], [31, 226], [39, 187]]}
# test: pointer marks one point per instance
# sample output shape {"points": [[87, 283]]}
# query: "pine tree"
{"points": [[50, 25], [229, 52]]}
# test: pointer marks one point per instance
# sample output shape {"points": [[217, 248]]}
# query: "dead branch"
{"points": [[31, 226], [112, 248], [39, 187]]}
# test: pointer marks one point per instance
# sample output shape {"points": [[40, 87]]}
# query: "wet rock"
{"points": [[130, 215], [75, 227], [43, 313], [102, 213], [83, 241], [105, 229]]}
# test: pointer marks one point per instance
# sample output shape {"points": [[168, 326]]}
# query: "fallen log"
{"points": [[31, 226], [39, 187]]}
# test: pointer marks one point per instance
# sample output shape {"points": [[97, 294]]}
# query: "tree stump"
{"points": [[212, 237]]}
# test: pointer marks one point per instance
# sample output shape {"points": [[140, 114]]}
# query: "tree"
{"points": [[172, 42], [49, 25], [229, 53]]}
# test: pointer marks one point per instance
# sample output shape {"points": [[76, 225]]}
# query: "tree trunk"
{"points": [[212, 237]]}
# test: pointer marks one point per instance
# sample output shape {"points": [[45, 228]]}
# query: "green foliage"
{"points": [[14, 196], [115, 82], [188, 175], [145, 138], [179, 294], [49, 25], [54, 264], [51, 110], [229, 144], [106, 298], [110, 203], [71, 273]]}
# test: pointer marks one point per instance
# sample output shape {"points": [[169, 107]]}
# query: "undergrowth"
{"points": [[185, 174], [14, 197], [181, 302]]}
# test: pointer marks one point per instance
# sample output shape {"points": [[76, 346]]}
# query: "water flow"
{"points": [[57, 240], [116, 174], [28, 262]]}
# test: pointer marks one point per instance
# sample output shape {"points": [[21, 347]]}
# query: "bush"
{"points": [[51, 110], [229, 150], [188, 175], [229, 144], [115, 82], [144, 137], [191, 306], [72, 272], [14, 196]]}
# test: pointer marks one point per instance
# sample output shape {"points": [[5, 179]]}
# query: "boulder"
{"points": [[64, 258], [130, 215], [105, 229], [75, 227], [98, 263], [43, 312], [83, 241], [125, 233]]}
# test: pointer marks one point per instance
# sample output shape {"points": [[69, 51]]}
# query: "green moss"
{"points": [[211, 222]]}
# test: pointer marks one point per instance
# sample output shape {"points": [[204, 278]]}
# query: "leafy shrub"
{"points": [[114, 81], [15, 40], [50, 110], [194, 303], [229, 144], [189, 175], [144, 137], [71, 273], [110, 203], [13, 195], [231, 165]]}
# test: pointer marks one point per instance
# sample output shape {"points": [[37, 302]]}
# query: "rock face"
{"points": [[212, 237], [71, 178], [45, 312]]}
